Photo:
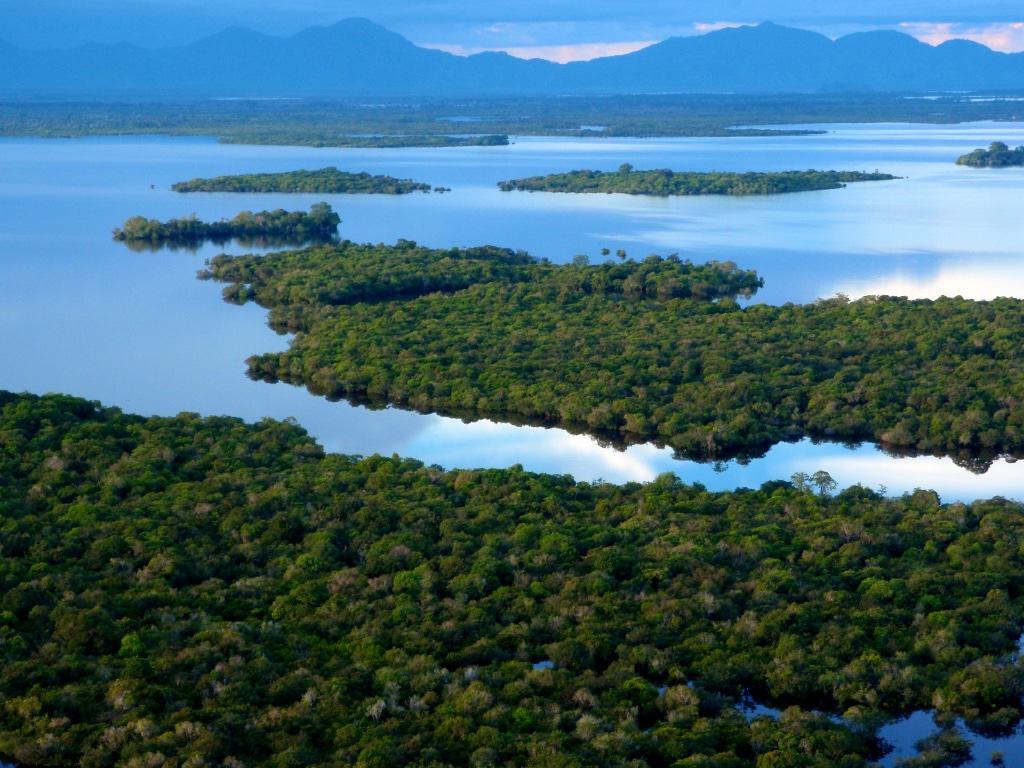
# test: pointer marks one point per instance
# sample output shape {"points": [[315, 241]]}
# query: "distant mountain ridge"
{"points": [[356, 57]]}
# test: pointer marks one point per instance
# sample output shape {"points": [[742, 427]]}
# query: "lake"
{"points": [[87, 316]]}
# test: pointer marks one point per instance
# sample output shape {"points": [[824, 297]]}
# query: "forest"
{"points": [[998, 155], [657, 350], [326, 181], [482, 121], [201, 592], [383, 141], [350, 273], [664, 183], [275, 227]]}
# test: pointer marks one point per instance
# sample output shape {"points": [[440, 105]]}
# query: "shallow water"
{"points": [[84, 315], [903, 735]]}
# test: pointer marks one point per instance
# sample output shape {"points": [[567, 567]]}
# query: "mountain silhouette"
{"points": [[356, 58]]}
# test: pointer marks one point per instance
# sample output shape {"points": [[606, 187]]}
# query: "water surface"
{"points": [[84, 315]]}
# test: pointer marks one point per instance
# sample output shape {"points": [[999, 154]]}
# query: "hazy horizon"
{"points": [[558, 30]]}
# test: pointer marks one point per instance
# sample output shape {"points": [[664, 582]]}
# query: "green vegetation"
{"points": [[198, 592], [480, 121], [998, 155], [280, 226], [307, 137], [327, 181], [665, 183], [650, 351], [399, 141], [350, 273]]}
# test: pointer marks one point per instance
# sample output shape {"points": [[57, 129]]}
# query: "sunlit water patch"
{"points": [[84, 315]]}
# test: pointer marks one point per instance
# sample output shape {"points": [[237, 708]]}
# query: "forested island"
{"points": [[280, 226], [326, 181], [665, 183], [394, 141], [998, 155], [653, 351], [203, 592], [491, 120]]}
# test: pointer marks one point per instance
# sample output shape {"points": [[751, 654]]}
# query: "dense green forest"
{"points": [[326, 181], [665, 183], [431, 123], [350, 273], [655, 350], [280, 226], [387, 141], [998, 155], [199, 592]]}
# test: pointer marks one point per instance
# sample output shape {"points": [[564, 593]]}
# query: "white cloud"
{"points": [[703, 27], [1000, 36], [558, 53]]}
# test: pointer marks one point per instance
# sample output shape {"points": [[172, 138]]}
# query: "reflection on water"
{"points": [[194, 244], [968, 277], [906, 733], [83, 315], [452, 443], [903, 736]]}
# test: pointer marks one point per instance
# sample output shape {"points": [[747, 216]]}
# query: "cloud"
{"points": [[703, 27], [559, 53], [1003, 36], [498, 24]]}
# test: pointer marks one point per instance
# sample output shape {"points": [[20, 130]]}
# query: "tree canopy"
{"points": [[275, 227], [998, 155], [664, 183], [326, 181], [655, 350], [200, 592]]}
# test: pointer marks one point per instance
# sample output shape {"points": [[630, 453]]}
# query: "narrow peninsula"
{"points": [[326, 181], [998, 155], [275, 227], [666, 183], [655, 351]]}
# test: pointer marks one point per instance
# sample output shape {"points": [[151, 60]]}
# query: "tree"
{"points": [[824, 482]]}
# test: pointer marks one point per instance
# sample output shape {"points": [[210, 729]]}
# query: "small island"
{"points": [[666, 183], [320, 224], [998, 155], [326, 181], [302, 138]]}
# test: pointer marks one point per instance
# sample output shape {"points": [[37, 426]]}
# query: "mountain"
{"points": [[357, 58]]}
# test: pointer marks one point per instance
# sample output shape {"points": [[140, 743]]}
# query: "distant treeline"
{"points": [[311, 138], [665, 183], [653, 351], [998, 155], [482, 121], [202, 592], [326, 181], [280, 226]]}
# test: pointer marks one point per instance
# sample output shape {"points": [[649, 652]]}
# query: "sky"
{"points": [[560, 30]]}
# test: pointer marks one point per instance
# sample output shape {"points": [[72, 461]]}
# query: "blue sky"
{"points": [[558, 29]]}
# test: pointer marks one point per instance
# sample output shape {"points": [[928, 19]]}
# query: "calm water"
{"points": [[902, 736], [84, 315]]}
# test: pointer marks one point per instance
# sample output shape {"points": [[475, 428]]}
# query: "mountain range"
{"points": [[357, 58]]}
